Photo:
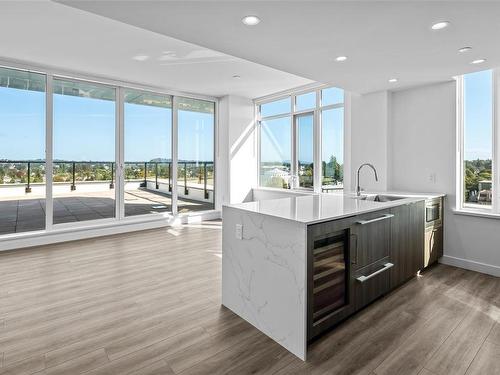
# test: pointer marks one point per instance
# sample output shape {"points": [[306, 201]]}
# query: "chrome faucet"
{"points": [[358, 189]]}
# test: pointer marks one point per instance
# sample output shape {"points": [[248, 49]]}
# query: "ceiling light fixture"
{"points": [[440, 25], [250, 20], [478, 61], [140, 57], [341, 58], [393, 80], [464, 49]]}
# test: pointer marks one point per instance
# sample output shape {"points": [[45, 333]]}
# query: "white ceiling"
{"points": [[54, 35], [382, 39]]}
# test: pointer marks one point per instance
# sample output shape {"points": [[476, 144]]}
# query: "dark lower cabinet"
{"points": [[372, 233], [371, 282], [353, 261], [407, 242]]}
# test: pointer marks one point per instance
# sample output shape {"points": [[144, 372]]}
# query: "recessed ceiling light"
{"points": [[440, 25], [341, 58], [250, 20], [464, 49], [236, 76], [140, 57], [393, 80], [478, 61]]}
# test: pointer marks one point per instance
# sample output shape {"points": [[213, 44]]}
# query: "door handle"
{"points": [[383, 217], [363, 278]]}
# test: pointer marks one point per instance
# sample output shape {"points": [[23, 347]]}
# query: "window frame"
{"points": [[119, 87], [460, 204], [317, 111]]}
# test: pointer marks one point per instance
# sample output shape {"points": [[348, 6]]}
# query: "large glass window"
{"points": [[148, 152], [111, 156], [195, 173], [276, 108], [276, 152], [305, 101], [332, 148], [305, 152], [22, 151], [477, 155], [83, 151], [310, 151]]}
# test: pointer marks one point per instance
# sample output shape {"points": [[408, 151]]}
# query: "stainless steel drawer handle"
{"points": [[362, 279], [383, 217]]}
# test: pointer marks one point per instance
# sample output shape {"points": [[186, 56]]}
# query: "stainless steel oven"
{"points": [[433, 213]]}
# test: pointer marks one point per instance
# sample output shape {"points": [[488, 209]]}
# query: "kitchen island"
{"points": [[296, 266]]}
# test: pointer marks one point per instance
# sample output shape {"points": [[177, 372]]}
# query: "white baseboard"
{"points": [[471, 265], [71, 234]]}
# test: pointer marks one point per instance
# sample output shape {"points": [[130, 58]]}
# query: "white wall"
{"points": [[422, 158], [368, 133], [237, 168]]}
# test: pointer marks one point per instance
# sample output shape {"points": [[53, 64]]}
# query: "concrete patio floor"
{"points": [[25, 214]]}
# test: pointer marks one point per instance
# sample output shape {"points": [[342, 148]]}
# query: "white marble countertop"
{"points": [[315, 208]]}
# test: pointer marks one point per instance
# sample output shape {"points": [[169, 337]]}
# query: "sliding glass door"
{"points": [[22, 151], [148, 153], [76, 153], [195, 177], [83, 151]]}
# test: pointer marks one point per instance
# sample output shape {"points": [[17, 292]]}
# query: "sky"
{"points": [[84, 129], [478, 104]]}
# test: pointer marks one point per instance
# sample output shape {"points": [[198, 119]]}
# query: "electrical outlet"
{"points": [[239, 231], [432, 178]]}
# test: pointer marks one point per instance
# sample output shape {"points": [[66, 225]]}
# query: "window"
{"points": [[276, 152], [305, 101], [476, 129], [148, 153], [305, 155], [22, 151], [303, 147], [276, 108], [332, 148], [195, 173], [106, 153]]}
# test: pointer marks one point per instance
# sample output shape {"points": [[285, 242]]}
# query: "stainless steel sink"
{"points": [[380, 198]]}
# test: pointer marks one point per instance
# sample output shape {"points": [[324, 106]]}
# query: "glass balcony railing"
{"points": [[191, 175]]}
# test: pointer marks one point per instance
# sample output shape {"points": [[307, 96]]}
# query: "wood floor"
{"points": [[149, 303]]}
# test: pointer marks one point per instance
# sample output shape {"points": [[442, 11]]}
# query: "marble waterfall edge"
{"points": [[264, 275]]}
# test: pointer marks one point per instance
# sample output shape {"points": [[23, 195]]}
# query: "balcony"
{"points": [[85, 191]]}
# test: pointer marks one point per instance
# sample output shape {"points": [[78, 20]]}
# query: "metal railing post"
{"points": [[28, 187], [73, 185], [205, 179], [112, 185], [156, 175], [145, 182], [170, 176], [186, 191]]}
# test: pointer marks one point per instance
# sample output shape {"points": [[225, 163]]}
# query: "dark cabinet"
{"points": [[372, 236], [370, 263], [353, 261], [407, 242]]}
